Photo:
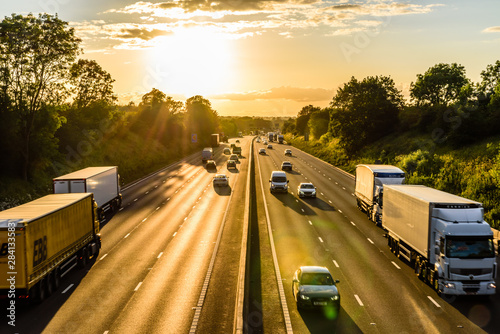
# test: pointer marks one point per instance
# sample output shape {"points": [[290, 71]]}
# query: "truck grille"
{"points": [[475, 272]]}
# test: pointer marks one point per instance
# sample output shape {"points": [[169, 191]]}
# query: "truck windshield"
{"points": [[470, 247]]}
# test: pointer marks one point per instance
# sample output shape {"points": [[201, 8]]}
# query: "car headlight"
{"points": [[314, 192], [335, 298], [304, 297], [450, 285], [301, 192], [491, 286]]}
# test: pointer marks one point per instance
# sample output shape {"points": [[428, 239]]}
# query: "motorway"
{"points": [[171, 260]]}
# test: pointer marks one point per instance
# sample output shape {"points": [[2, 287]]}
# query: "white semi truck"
{"points": [[370, 181], [206, 154], [443, 236], [103, 182]]}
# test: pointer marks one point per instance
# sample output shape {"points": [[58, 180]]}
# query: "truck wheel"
{"points": [[82, 261], [57, 278], [50, 284], [41, 291]]}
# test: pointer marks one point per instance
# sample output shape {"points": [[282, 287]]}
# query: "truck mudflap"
{"points": [[472, 288]]}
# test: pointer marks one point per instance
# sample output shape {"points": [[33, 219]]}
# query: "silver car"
{"points": [[221, 180], [314, 287], [306, 190]]}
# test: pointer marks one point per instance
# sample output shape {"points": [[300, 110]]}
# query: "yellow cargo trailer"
{"points": [[42, 240]]}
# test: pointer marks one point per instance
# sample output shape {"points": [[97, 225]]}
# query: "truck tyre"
{"points": [[41, 291], [82, 260], [50, 283], [57, 278]]}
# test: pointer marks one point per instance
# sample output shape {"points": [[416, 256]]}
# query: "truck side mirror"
{"points": [[287, 181]]}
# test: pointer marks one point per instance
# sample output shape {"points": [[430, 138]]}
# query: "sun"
{"points": [[192, 61]]}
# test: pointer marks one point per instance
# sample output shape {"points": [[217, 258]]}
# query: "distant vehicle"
{"points": [[288, 152], [227, 151], [286, 165], [278, 181], [234, 157], [281, 138], [314, 287], [262, 151], [240, 134], [237, 140], [270, 136], [206, 154], [237, 150], [306, 189], [211, 165], [370, 181], [264, 142], [103, 182], [231, 164], [51, 235], [443, 236], [258, 140], [221, 180], [270, 147], [214, 140]]}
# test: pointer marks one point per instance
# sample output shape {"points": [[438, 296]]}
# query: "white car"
{"points": [[262, 151], [234, 157], [221, 180], [306, 190]]}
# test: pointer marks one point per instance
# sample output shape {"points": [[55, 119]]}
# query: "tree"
{"points": [[303, 118], [201, 119], [92, 84], [36, 53], [491, 79], [318, 122], [440, 85], [364, 111]]}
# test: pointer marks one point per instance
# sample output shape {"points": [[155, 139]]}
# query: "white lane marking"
{"points": [[120, 209], [102, 257], [185, 218], [359, 300], [322, 194], [335, 263], [353, 224], [330, 202], [159, 255], [135, 200], [147, 192], [433, 301], [138, 286], [168, 199], [320, 240], [174, 234], [144, 220], [105, 332], [370, 240], [69, 287], [158, 208], [395, 265], [343, 188], [310, 222], [340, 211], [302, 210]]}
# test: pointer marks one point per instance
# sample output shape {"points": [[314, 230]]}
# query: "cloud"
{"points": [[141, 33], [492, 29], [287, 93]]}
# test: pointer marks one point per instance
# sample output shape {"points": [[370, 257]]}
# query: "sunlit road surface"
{"points": [[379, 292], [157, 271]]}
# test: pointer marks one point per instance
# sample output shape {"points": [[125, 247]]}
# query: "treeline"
{"points": [[446, 136], [59, 113]]}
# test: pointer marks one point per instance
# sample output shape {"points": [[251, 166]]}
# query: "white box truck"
{"points": [[103, 182], [443, 236], [370, 181], [206, 154]]}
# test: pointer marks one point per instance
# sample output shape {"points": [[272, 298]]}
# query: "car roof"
{"points": [[314, 269], [278, 172], [220, 175], [305, 183], [287, 162]]}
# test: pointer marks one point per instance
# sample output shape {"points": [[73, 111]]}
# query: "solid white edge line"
{"points": [[102, 257]]}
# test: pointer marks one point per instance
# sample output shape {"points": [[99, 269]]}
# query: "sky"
{"points": [[273, 57]]}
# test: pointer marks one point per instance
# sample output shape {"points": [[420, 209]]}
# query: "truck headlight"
{"points": [[491, 286], [450, 285], [335, 298], [304, 297]]}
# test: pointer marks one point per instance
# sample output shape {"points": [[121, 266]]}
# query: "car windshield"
{"points": [[470, 247], [316, 279], [220, 176], [307, 186], [279, 179]]}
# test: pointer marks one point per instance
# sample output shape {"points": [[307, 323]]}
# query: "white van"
{"points": [[278, 181]]}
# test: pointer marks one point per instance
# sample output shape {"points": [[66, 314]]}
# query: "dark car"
{"points": [[314, 287], [210, 165], [288, 152], [286, 165], [231, 164]]}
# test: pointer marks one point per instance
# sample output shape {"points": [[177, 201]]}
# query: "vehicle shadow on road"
{"points": [[223, 191], [318, 203], [317, 322]]}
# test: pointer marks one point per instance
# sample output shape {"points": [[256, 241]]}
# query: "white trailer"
{"points": [[443, 236], [103, 182], [370, 180]]}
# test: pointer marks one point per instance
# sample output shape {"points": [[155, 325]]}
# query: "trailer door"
{"points": [[77, 186]]}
